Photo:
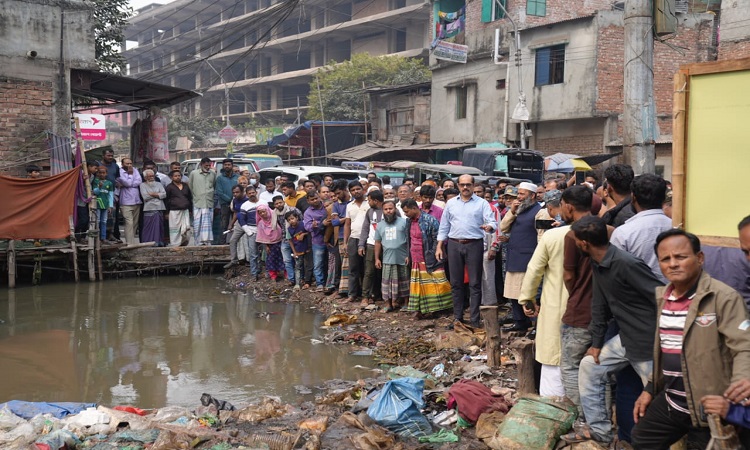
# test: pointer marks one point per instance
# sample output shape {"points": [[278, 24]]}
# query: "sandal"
{"points": [[365, 302], [582, 435]]}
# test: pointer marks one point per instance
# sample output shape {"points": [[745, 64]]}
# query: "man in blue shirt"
{"points": [[226, 180], [465, 220]]}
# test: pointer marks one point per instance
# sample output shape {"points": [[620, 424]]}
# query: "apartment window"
{"points": [[549, 65], [462, 99], [536, 7], [492, 11]]}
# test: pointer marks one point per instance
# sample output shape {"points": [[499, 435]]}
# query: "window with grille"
{"points": [[549, 65]]}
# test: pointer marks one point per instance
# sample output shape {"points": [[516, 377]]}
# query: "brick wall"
{"points": [[557, 10], [25, 112], [694, 44], [734, 50], [580, 145]]}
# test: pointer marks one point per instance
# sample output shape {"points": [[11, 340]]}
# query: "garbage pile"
{"points": [[447, 397]]}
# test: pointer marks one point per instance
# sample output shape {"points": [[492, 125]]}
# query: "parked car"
{"points": [[189, 165], [294, 173], [423, 171], [262, 160], [363, 168]]}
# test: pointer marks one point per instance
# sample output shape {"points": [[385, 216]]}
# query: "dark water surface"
{"points": [[159, 341]]}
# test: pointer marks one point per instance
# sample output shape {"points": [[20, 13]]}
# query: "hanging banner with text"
{"points": [[448, 51], [92, 127]]}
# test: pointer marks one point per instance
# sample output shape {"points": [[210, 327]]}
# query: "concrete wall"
{"points": [[485, 104], [576, 96], [734, 38], [34, 95]]}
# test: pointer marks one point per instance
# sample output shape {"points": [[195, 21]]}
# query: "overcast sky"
{"points": [[141, 3]]}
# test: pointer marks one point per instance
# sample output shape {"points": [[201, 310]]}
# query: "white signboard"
{"points": [[449, 51], [92, 127]]}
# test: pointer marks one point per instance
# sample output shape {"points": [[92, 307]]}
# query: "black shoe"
{"points": [[507, 319], [476, 324], [514, 328], [329, 291], [452, 324], [257, 277], [531, 335]]}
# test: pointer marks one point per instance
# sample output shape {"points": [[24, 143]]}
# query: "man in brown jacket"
{"points": [[702, 345]]}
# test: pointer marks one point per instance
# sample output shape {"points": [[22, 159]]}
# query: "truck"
{"points": [[506, 162]]}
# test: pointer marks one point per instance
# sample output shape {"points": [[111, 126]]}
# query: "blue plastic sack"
{"points": [[27, 410], [397, 408]]}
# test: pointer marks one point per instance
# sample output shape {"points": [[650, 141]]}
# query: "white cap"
{"points": [[372, 188], [528, 186]]}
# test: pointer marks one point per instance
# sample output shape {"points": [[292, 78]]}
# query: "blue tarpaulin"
{"points": [[27, 410], [288, 134]]}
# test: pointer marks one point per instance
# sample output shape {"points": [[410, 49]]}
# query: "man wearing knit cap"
{"points": [[519, 222]]}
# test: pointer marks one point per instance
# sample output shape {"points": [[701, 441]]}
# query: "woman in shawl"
{"points": [[153, 194], [269, 234]]}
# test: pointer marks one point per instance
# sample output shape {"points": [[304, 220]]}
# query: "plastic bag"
{"points": [[171, 413], [8, 420], [397, 408]]}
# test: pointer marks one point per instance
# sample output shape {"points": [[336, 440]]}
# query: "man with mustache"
{"points": [[465, 220]]}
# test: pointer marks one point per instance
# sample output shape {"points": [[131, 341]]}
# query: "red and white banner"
{"points": [[92, 127]]}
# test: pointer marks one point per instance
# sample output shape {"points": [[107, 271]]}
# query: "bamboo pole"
{"points": [[679, 148], [11, 264], [93, 223], [74, 247]]}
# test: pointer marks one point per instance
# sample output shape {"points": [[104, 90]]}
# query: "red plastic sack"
{"points": [[132, 409]]}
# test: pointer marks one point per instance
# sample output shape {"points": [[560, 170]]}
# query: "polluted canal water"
{"points": [[161, 341]]}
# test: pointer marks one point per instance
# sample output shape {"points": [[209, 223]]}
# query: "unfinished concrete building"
{"points": [[259, 56]]}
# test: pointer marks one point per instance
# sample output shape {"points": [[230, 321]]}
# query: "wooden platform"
{"points": [[116, 259]]}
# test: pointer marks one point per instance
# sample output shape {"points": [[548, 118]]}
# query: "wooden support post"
{"points": [[494, 341], [99, 258], [723, 437], [523, 350], [11, 264], [74, 247], [91, 210]]}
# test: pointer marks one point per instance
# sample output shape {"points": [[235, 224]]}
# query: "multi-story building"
{"points": [[261, 55], [572, 67]]}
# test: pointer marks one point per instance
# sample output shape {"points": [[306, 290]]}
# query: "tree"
{"points": [[341, 83], [197, 129], [110, 20]]}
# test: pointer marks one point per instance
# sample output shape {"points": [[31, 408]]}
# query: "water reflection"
{"points": [[156, 342]]}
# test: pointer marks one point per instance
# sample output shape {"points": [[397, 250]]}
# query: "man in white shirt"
{"points": [[267, 195], [356, 211]]}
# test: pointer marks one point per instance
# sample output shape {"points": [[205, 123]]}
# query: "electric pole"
{"points": [[639, 115]]}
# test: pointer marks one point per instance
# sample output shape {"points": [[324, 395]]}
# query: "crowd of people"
{"points": [[595, 269]]}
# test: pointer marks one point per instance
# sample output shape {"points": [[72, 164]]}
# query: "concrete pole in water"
{"points": [[639, 115]]}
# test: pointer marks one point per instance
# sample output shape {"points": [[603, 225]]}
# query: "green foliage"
{"points": [[341, 83], [110, 20], [197, 129]]}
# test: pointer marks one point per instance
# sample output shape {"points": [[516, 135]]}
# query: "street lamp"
{"points": [[520, 112]]}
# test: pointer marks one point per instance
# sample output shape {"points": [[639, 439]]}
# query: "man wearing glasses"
{"points": [[465, 220]]}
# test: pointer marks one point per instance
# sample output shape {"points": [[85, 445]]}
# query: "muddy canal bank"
{"points": [[299, 369]]}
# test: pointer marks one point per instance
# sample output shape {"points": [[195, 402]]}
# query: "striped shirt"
{"points": [[671, 330]]}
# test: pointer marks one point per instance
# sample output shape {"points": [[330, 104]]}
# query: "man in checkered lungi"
{"points": [[391, 242]]}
